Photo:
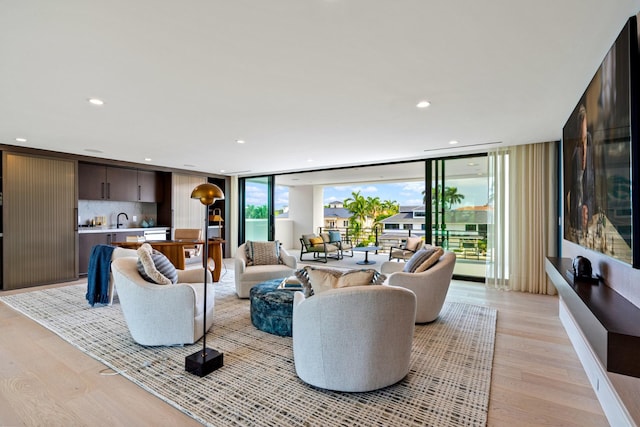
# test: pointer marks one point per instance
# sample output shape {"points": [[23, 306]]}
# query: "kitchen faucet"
{"points": [[118, 224]]}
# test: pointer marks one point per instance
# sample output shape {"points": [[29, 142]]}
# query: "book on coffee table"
{"points": [[291, 284]]}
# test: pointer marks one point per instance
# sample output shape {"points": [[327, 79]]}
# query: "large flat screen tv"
{"points": [[598, 140]]}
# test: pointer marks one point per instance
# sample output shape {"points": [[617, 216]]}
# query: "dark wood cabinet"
{"points": [[148, 187], [86, 241], [121, 184], [91, 181], [100, 182]]}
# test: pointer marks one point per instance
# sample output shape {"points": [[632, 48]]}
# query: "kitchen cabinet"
{"points": [[101, 182], [86, 241], [149, 188]]}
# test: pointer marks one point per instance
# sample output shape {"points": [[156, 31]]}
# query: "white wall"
{"points": [[301, 212], [284, 233]]}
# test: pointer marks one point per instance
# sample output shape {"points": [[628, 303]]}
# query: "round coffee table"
{"points": [[272, 308], [366, 250]]}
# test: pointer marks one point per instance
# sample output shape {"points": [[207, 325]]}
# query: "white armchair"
{"points": [[163, 314], [247, 276], [430, 286], [353, 339]]}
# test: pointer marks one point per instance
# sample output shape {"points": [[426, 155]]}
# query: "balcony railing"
{"points": [[466, 245]]}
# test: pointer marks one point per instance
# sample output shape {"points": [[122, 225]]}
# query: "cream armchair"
{"points": [[353, 339], [430, 286], [247, 276], [163, 314]]}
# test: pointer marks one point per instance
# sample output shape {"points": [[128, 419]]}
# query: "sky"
{"points": [[406, 193]]}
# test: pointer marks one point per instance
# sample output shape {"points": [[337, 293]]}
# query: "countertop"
{"points": [[83, 230]]}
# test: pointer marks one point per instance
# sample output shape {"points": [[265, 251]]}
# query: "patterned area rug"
{"points": [[448, 383]]}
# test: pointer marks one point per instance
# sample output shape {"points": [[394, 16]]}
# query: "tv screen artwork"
{"points": [[596, 144]]}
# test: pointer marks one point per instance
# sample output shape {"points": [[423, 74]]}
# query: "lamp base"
{"points": [[200, 365]]}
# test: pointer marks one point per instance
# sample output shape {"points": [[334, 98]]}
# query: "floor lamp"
{"points": [[217, 217], [207, 360]]}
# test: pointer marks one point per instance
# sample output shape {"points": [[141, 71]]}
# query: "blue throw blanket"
{"points": [[98, 274]]}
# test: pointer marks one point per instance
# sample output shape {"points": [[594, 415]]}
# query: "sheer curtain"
{"points": [[523, 220]]}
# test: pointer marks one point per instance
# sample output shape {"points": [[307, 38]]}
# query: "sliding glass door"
{"points": [[459, 207], [256, 208]]}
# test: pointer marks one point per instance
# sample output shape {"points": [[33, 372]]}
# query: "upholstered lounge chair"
{"points": [[320, 249], [163, 314], [406, 250], [247, 276], [430, 286], [353, 339]]}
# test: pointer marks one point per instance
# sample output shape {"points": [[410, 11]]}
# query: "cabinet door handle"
{"points": [[102, 190], [139, 192], [75, 221]]}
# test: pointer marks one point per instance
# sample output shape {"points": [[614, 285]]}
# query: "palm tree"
{"points": [[374, 209], [357, 204], [390, 207], [451, 196]]}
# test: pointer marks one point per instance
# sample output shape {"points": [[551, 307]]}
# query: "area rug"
{"points": [[448, 383]]}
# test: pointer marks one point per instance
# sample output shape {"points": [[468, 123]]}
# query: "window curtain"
{"points": [[524, 217]]}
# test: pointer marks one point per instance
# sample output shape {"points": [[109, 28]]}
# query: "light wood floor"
{"points": [[537, 378]]}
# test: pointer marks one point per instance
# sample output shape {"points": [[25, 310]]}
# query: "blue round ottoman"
{"points": [[271, 308]]}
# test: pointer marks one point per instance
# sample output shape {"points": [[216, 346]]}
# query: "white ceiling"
{"points": [[308, 84]]}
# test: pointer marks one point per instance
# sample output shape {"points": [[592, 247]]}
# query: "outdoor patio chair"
{"points": [[321, 250], [406, 250], [334, 237]]}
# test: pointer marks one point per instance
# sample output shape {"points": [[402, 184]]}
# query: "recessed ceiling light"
{"points": [[222, 171], [93, 150], [453, 142], [471, 164], [21, 139], [309, 160], [147, 159], [423, 104], [96, 101], [187, 165], [240, 141]]}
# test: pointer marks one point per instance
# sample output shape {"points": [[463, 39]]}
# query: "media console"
{"points": [[604, 329], [609, 322]]}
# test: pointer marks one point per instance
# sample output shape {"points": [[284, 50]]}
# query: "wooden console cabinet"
{"points": [[609, 322]]}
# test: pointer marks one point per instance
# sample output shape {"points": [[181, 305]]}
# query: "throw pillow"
{"points": [[325, 237], [334, 236], [418, 258], [316, 241], [303, 277], [155, 267], [322, 280], [378, 278], [432, 260], [306, 238], [262, 253], [317, 280], [412, 243]]}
